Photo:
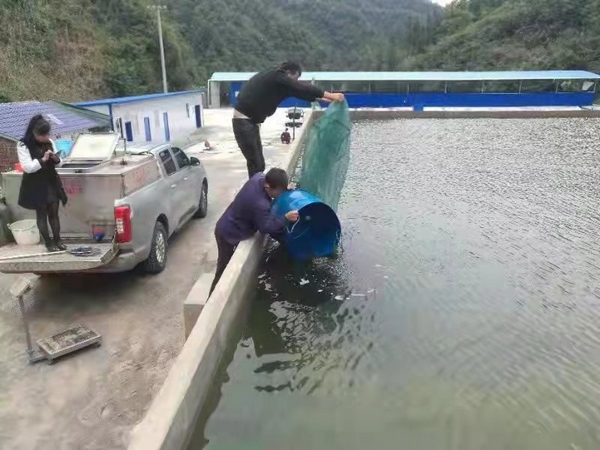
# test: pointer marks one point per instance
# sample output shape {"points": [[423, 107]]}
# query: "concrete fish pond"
{"points": [[460, 315]]}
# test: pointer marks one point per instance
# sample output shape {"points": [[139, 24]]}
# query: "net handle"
{"points": [[293, 226]]}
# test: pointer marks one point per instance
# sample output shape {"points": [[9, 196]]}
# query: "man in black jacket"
{"points": [[259, 99]]}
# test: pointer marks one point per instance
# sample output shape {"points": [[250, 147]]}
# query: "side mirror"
{"points": [[194, 161]]}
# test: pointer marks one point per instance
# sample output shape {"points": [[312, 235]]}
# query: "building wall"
{"points": [[8, 155], [215, 95], [181, 111]]}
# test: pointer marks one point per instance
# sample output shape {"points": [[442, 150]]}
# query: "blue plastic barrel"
{"points": [[317, 232]]}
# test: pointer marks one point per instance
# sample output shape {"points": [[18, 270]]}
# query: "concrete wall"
{"points": [[173, 415], [214, 92]]}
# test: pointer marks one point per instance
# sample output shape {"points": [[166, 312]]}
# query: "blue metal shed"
{"points": [[441, 89]]}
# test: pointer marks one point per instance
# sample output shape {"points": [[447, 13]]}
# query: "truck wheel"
{"points": [[203, 207], [157, 261]]}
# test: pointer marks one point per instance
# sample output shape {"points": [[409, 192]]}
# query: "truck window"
{"points": [[167, 162], [181, 157]]}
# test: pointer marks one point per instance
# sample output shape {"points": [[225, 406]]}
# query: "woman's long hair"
{"points": [[37, 126]]}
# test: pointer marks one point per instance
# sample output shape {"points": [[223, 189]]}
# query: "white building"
{"points": [[153, 118]]}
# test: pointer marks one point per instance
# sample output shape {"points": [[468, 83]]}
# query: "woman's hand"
{"points": [[292, 216], [46, 156]]}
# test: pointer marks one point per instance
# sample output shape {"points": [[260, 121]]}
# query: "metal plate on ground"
{"points": [[68, 341], [35, 259]]}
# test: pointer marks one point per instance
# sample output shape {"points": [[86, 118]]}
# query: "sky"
{"points": [[442, 2]]}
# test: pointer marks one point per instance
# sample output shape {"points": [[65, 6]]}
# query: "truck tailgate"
{"points": [[35, 259]]}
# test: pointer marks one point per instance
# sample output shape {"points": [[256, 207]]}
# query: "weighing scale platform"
{"points": [[68, 341]]}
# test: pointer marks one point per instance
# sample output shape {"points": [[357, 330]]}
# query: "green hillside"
{"points": [[81, 49], [516, 34], [230, 35]]}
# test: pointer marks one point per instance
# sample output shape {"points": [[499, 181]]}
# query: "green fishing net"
{"points": [[327, 155]]}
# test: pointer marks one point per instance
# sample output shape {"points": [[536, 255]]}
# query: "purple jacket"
{"points": [[249, 212]]}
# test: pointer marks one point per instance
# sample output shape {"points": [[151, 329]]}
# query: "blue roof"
{"points": [[136, 98], [425, 76], [14, 118]]}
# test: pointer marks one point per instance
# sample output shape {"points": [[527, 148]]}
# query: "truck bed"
{"points": [[91, 195], [35, 259]]}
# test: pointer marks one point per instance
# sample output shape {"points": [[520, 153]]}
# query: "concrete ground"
{"points": [[92, 399]]}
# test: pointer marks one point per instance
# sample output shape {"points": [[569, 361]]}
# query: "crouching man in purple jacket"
{"points": [[250, 212]]}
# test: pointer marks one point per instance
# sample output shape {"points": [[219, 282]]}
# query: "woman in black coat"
{"points": [[41, 188]]}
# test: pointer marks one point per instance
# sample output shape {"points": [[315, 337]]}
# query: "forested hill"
{"points": [[82, 49], [231, 35], [516, 34]]}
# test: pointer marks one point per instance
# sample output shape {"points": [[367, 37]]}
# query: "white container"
{"points": [[25, 232]]}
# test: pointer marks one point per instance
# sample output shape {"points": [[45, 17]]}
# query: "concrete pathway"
{"points": [[91, 400]]}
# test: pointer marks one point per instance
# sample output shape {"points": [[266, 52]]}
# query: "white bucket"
{"points": [[25, 232]]}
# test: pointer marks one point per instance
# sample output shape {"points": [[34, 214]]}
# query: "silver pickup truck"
{"points": [[124, 205]]}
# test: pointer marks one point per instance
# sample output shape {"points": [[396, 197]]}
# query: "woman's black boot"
{"points": [[51, 247]]}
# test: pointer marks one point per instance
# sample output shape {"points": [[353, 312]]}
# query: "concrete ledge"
{"points": [[173, 415], [483, 113], [195, 301]]}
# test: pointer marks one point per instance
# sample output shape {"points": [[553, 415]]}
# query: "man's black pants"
{"points": [[247, 135], [226, 251]]}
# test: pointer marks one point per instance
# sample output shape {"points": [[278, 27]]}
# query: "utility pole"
{"points": [[158, 9]]}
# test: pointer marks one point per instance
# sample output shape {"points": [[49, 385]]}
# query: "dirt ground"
{"points": [[92, 399]]}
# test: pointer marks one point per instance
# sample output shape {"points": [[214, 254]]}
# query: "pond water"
{"points": [[463, 311]]}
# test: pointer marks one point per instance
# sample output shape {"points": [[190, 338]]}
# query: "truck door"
{"points": [[176, 192], [191, 183]]}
